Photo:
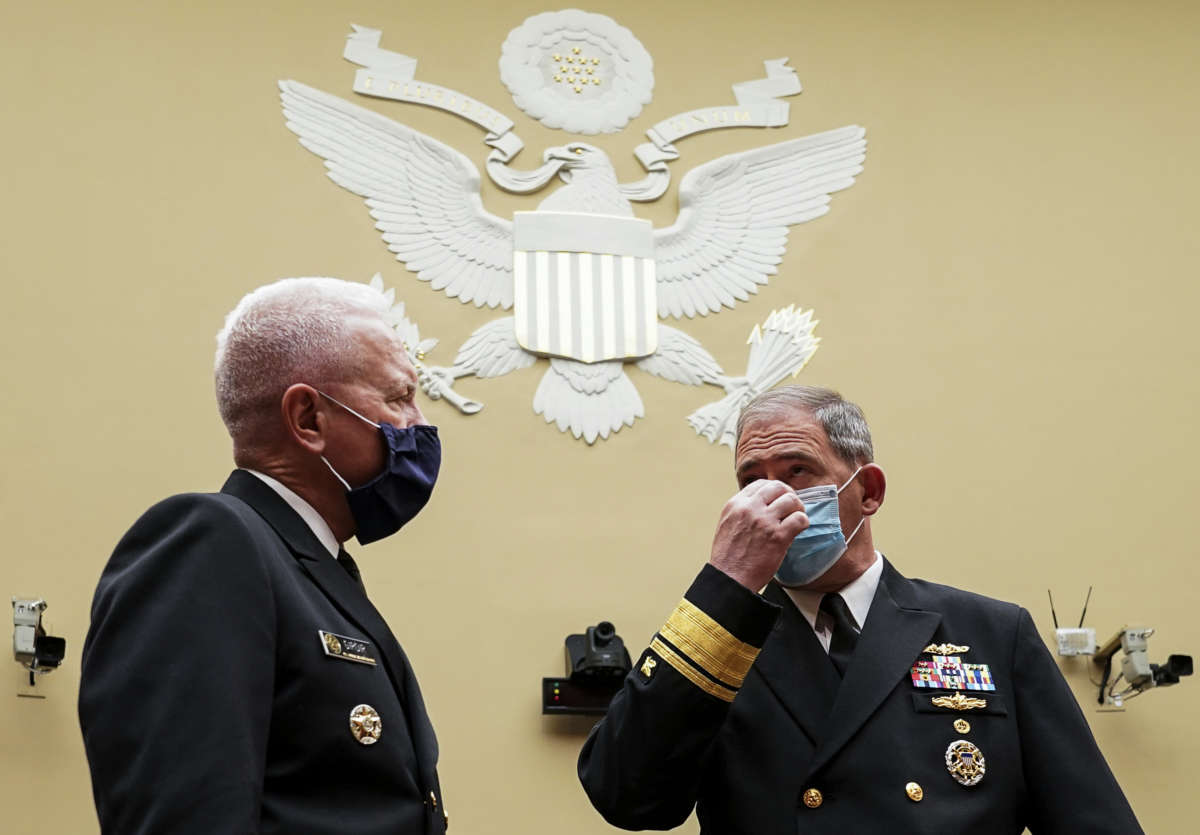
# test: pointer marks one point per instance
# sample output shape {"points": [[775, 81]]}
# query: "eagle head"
{"points": [[576, 156]]}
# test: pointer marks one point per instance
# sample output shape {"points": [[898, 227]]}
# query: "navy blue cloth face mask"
{"points": [[389, 501], [816, 548]]}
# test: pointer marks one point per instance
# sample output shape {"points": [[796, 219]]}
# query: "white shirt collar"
{"points": [[858, 595], [307, 512]]}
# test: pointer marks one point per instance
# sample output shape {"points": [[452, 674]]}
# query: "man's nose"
{"points": [[415, 417]]}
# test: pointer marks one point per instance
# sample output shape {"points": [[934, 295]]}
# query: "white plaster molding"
{"points": [[577, 71], [729, 237]]}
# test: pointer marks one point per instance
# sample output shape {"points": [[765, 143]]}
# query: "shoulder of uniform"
{"points": [[184, 520], [943, 597], [186, 505]]}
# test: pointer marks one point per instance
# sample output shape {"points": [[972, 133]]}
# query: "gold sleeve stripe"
{"points": [[709, 644], [690, 673]]}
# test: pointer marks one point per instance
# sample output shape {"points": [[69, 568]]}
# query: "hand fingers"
{"points": [[752, 488], [794, 523], [768, 490], [790, 512], [785, 504]]}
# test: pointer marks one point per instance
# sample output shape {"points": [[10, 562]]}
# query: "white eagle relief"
{"points": [[587, 279]]}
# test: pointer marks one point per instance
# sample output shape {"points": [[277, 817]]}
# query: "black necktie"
{"points": [[347, 562], [841, 644]]}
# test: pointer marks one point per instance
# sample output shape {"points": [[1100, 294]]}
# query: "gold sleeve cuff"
{"points": [[708, 644], [685, 669]]}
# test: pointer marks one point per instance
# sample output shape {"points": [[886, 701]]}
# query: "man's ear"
{"points": [[305, 417], [874, 485]]}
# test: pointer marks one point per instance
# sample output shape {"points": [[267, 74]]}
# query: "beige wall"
{"points": [[1009, 290]]}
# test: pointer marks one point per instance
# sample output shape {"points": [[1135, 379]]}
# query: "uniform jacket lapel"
{"points": [[351, 599], [796, 669], [895, 633], [348, 597]]}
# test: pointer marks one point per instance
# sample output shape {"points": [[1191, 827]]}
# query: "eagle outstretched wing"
{"points": [[681, 359], [734, 217], [423, 194], [492, 351]]}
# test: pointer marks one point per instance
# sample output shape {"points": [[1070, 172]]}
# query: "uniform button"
{"points": [[433, 799], [962, 726], [813, 798], [915, 792]]}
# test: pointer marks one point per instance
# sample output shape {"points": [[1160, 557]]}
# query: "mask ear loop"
{"points": [[856, 530], [337, 475], [348, 409], [840, 489], [345, 483], [863, 519]]}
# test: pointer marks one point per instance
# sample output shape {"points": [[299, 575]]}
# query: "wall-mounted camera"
{"points": [[1136, 670], [597, 663], [32, 647], [598, 654]]}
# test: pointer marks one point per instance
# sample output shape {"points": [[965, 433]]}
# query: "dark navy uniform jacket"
{"points": [[208, 703], [773, 741]]}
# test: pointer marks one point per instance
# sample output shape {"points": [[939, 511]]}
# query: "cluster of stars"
{"points": [[576, 69]]}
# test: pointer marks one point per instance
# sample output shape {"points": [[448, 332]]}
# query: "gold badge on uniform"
{"points": [[965, 762], [648, 666], [365, 724], [958, 702], [346, 648], [946, 649]]}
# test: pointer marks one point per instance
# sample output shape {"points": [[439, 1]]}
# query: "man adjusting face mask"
{"points": [[387, 502], [822, 543]]}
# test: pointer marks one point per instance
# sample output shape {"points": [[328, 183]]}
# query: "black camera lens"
{"points": [[49, 650], [1179, 665], [604, 632]]}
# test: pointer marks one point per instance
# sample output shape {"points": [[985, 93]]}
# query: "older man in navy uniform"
{"points": [[845, 698], [235, 676]]}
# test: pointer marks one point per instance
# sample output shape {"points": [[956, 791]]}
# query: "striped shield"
{"points": [[584, 285]]}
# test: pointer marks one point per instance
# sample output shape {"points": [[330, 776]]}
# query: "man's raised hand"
{"points": [[755, 529]]}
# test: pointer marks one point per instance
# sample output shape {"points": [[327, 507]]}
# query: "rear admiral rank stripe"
{"points": [[709, 644], [703, 651], [691, 673]]}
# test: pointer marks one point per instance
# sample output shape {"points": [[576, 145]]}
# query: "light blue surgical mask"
{"points": [[816, 548]]}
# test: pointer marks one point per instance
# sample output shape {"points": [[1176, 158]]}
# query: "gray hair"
{"points": [[842, 420], [294, 330]]}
